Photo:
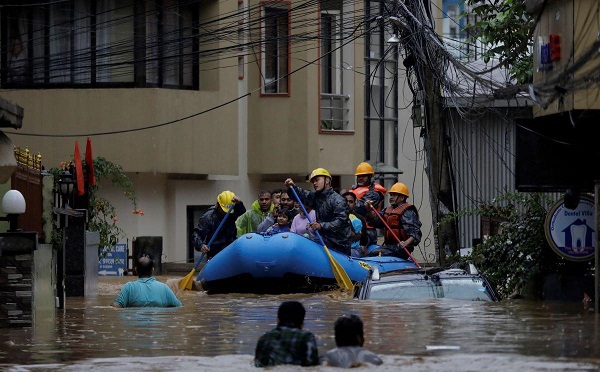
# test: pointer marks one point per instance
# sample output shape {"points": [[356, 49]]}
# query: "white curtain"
{"points": [[82, 40], [18, 49], [188, 58], [171, 43], [104, 36], [38, 39], [60, 43], [18, 41], [151, 43]]}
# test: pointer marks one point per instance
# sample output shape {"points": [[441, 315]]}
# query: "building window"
{"points": [[381, 91], [100, 43], [331, 80], [334, 103], [275, 53]]}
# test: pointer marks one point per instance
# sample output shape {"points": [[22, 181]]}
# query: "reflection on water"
{"points": [[208, 326]]}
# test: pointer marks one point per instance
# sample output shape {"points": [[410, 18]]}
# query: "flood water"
{"points": [[219, 333]]}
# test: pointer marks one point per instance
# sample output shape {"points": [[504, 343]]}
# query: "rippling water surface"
{"points": [[219, 332]]}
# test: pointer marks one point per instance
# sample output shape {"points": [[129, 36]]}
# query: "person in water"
{"points": [[146, 291], [349, 339], [288, 343]]}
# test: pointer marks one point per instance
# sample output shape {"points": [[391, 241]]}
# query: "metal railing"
{"points": [[334, 112]]}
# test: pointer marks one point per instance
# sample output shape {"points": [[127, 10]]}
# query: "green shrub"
{"points": [[102, 214], [518, 257]]}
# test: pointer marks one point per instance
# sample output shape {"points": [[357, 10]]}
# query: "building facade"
{"points": [[192, 98]]}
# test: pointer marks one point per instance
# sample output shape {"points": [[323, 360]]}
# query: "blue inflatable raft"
{"points": [[284, 263]]}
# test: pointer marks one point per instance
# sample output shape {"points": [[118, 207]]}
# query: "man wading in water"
{"points": [[146, 291]]}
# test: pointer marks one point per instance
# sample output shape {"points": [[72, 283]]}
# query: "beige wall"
{"points": [[282, 138], [204, 144], [164, 203], [283, 132]]}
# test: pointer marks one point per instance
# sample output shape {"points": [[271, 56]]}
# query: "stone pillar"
{"points": [[44, 282], [92, 242], [74, 256], [16, 284]]}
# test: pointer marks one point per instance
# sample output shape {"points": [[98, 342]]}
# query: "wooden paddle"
{"points": [[394, 234], [188, 280], [339, 273]]}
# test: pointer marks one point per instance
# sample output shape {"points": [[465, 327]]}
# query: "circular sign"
{"points": [[570, 232]]}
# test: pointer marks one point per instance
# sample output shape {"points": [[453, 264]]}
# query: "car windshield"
{"points": [[465, 289], [470, 289]]}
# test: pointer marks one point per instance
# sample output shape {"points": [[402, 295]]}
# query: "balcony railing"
{"points": [[334, 112]]}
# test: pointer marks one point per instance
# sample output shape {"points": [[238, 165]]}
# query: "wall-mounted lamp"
{"points": [[393, 39], [13, 204], [65, 187]]}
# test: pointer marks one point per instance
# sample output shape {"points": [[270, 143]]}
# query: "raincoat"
{"points": [[207, 225], [249, 221], [332, 213]]}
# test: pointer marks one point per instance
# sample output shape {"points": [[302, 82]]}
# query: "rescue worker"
{"points": [[331, 210], [210, 220], [367, 191], [403, 220]]}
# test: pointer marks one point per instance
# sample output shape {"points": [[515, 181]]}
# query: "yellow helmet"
{"points": [[319, 172], [364, 168], [400, 188], [225, 199]]}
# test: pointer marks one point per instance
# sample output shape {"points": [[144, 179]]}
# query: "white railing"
{"points": [[334, 112]]}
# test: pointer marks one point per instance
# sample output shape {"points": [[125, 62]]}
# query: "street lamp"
{"points": [[65, 187], [13, 204]]}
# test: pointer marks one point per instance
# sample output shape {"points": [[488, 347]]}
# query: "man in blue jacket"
{"points": [[333, 222], [210, 221]]}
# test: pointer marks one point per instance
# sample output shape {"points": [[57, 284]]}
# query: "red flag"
{"points": [[89, 160], [78, 170]]}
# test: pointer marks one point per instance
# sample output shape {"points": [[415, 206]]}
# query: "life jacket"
{"points": [[393, 217], [362, 190]]}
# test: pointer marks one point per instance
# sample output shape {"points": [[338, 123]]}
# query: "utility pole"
{"points": [[439, 170]]}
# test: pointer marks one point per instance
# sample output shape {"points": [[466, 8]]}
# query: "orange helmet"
{"points": [[400, 188], [364, 168]]}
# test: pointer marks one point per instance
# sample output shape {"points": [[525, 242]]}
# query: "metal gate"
{"points": [[27, 179]]}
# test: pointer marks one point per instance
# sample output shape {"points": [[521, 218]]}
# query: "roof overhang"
{"points": [[11, 115], [382, 168]]}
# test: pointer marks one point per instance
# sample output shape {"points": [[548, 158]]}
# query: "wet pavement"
{"points": [[219, 332]]}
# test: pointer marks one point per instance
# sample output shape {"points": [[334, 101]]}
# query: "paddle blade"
{"points": [[187, 281], [339, 273]]}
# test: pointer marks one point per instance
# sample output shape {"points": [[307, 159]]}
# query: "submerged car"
{"points": [[405, 285]]}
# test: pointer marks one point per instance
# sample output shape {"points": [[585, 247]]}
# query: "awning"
{"points": [[11, 115], [382, 168]]}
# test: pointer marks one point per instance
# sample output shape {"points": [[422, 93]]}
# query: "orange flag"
{"points": [[89, 160], [78, 170]]}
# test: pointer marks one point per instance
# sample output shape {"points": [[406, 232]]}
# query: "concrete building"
{"points": [[192, 98]]}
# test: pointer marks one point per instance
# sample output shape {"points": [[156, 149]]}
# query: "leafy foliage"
{"points": [[507, 29], [103, 216], [517, 258]]}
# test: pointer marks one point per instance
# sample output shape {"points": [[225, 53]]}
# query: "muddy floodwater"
{"points": [[219, 333]]}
